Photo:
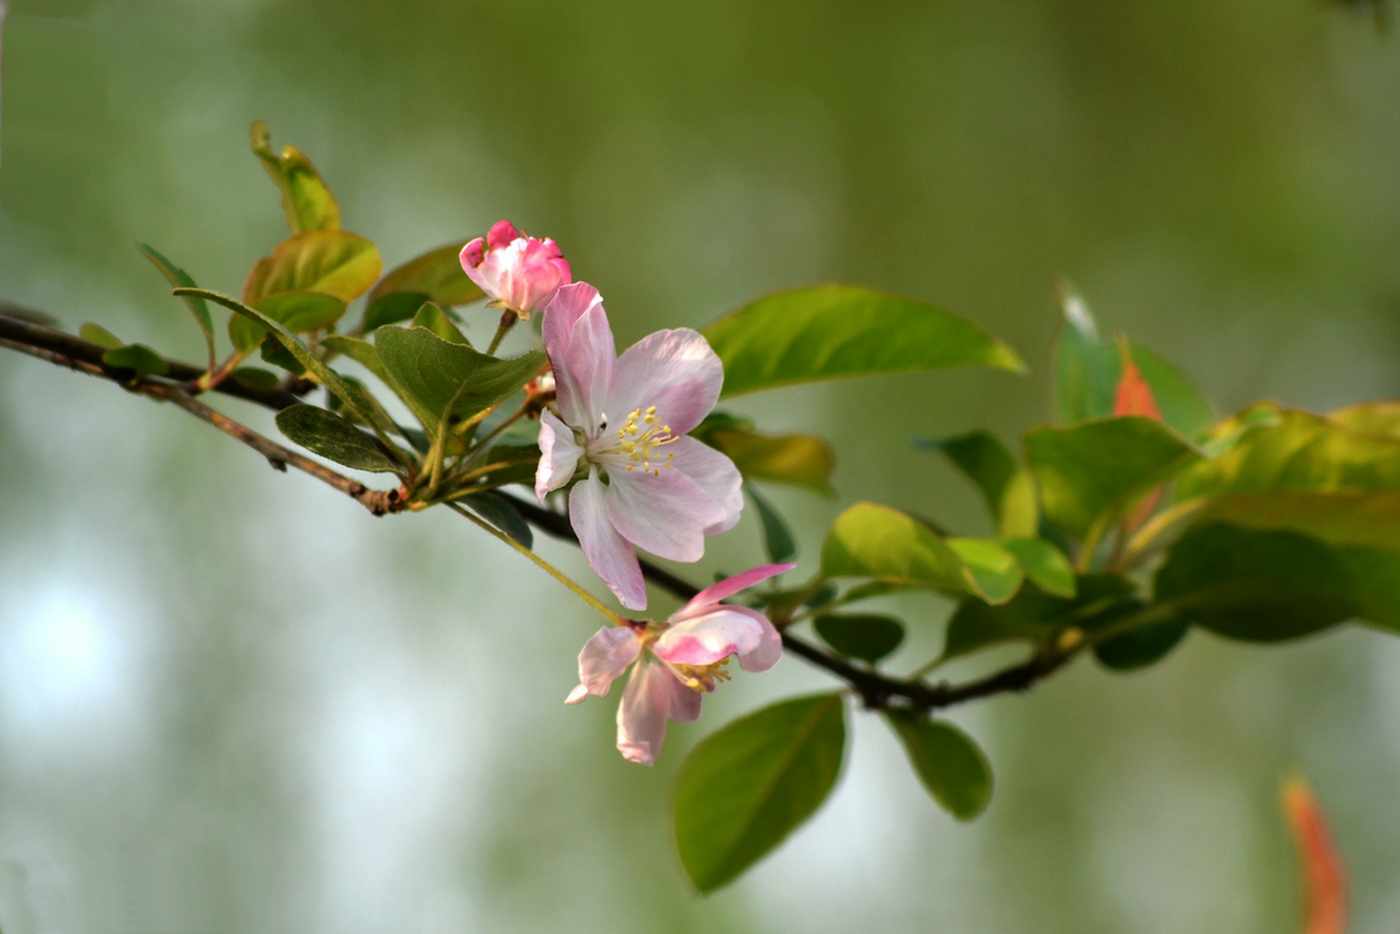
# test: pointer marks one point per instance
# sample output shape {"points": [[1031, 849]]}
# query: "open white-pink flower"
{"points": [[677, 661], [623, 422], [517, 271]]}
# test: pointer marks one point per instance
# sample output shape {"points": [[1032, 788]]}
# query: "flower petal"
{"points": [[674, 370], [558, 455], [579, 342], [714, 473], [719, 633], [608, 553], [665, 513], [603, 660], [728, 588], [641, 717]]}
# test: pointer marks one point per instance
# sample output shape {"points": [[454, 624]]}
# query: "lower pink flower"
{"points": [[676, 661]]}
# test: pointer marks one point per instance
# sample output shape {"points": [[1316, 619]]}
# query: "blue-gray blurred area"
{"points": [[232, 701]]}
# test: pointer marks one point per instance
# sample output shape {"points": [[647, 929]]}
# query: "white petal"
{"points": [[559, 455], [714, 473], [608, 553], [603, 660], [674, 370], [666, 514]]}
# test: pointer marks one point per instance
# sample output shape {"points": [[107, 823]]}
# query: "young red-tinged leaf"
{"points": [[950, 765], [747, 786], [437, 274], [835, 331], [1134, 397], [330, 261], [306, 200], [1322, 870]]}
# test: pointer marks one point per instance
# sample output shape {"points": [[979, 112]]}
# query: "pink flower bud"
{"points": [[515, 270]]}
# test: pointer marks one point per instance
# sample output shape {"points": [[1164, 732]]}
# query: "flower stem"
{"points": [[549, 569], [508, 319]]}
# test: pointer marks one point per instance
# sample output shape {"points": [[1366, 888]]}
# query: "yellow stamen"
{"points": [[640, 436]]}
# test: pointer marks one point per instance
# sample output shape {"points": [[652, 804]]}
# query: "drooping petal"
{"points": [[641, 717], [604, 658], [608, 553], [674, 370], [559, 455], [579, 342], [665, 513], [719, 633], [714, 473], [728, 588]]}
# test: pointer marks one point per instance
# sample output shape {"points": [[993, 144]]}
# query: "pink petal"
{"points": [[666, 514], [716, 475], [719, 633], [676, 371], [728, 588], [559, 455], [608, 553], [603, 660], [471, 255], [653, 695], [501, 234], [641, 717]]}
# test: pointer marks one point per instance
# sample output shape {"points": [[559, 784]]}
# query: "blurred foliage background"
{"points": [[230, 701]]}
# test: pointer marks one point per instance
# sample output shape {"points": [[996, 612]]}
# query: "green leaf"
{"points": [[1255, 584], [334, 438], [867, 636], [750, 784], [1141, 646], [801, 460], [299, 312], [138, 358], [256, 378], [306, 200], [868, 540], [1032, 614], [1338, 518], [97, 334], [391, 309], [1045, 564], [1298, 451], [777, 537], [996, 570], [834, 331], [498, 511], [1091, 471], [949, 764], [178, 277], [436, 274], [990, 465], [432, 374], [318, 370], [330, 261], [1378, 418], [1184, 407], [433, 318]]}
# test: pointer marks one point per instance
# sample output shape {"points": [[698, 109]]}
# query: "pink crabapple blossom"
{"points": [[622, 421], [676, 661], [516, 270]]}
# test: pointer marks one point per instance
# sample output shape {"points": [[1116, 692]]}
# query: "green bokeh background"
{"points": [[230, 701]]}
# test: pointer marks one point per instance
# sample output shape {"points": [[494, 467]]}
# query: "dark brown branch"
{"points": [[17, 333], [378, 502], [875, 689]]}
